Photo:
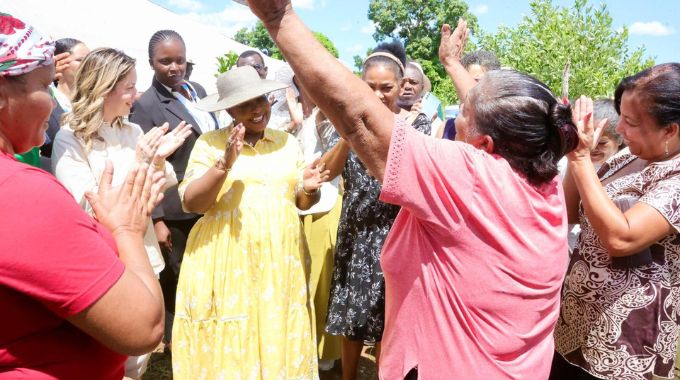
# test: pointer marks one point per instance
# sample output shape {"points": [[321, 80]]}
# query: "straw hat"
{"points": [[238, 86]]}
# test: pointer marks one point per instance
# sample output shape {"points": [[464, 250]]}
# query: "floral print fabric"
{"points": [[357, 306], [622, 323]]}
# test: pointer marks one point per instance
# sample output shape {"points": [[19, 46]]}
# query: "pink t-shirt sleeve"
{"points": [[57, 254], [434, 179]]}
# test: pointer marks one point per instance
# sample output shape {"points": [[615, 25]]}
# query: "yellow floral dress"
{"points": [[243, 309]]}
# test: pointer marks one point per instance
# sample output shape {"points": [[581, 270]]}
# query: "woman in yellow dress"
{"points": [[243, 309]]}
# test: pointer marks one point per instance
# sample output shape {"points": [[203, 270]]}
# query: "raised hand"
{"points": [[314, 176], [148, 144], [126, 209], [61, 63], [172, 140], [270, 11], [452, 44], [588, 133], [234, 145]]}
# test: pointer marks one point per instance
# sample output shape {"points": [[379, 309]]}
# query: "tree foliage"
{"points": [[259, 38], [418, 23], [582, 35], [226, 62]]}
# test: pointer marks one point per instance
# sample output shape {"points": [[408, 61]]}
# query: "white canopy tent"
{"points": [[128, 25]]}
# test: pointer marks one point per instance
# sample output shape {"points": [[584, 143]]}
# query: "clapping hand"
{"points": [[126, 209], [172, 140], [147, 145], [314, 176], [453, 43], [588, 133], [234, 144]]}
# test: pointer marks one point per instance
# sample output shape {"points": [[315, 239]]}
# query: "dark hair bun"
{"points": [[396, 48], [561, 122]]}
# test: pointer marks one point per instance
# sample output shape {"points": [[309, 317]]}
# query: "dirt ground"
{"points": [[160, 367]]}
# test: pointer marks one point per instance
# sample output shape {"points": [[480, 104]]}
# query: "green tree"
{"points": [[418, 23], [259, 38], [226, 62], [582, 35]]}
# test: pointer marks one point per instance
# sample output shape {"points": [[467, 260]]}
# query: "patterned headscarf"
{"points": [[22, 48]]}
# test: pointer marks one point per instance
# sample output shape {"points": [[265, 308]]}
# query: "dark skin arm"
{"points": [[357, 114], [201, 193], [335, 158]]}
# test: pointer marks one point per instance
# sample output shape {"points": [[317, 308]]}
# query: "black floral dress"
{"points": [[357, 301]]}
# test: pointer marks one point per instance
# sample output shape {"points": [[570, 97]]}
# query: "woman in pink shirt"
{"points": [[475, 260]]}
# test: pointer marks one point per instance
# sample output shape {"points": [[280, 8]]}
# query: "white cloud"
{"points": [[368, 29], [304, 4], [652, 28], [356, 49], [480, 9], [229, 21], [186, 5], [346, 27]]}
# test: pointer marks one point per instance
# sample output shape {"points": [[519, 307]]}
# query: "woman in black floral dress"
{"points": [[357, 304]]}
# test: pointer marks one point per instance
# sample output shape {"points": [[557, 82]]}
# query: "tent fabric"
{"points": [[128, 25]]}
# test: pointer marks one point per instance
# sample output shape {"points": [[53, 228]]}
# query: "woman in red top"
{"points": [[64, 277]]}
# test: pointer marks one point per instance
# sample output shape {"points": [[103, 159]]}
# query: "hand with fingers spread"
{"points": [[588, 133], [148, 144], [452, 44], [314, 176], [126, 209], [234, 145], [61, 63], [172, 140]]}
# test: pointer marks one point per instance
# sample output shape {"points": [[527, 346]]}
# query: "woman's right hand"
{"points": [[126, 209], [588, 133], [234, 145], [453, 43], [148, 144]]}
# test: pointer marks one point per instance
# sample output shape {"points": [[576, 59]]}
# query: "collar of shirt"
{"points": [[188, 87]]}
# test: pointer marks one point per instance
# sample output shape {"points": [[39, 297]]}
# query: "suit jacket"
{"points": [[54, 124], [155, 107]]}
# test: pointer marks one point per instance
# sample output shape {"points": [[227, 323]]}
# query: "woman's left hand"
{"points": [[588, 134], [314, 176], [172, 140]]}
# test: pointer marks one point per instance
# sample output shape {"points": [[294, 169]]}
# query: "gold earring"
{"points": [[666, 150]]}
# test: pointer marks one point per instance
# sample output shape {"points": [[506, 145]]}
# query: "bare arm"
{"points": [[357, 114], [201, 193], [336, 158], [128, 318], [450, 49], [571, 196], [622, 234]]}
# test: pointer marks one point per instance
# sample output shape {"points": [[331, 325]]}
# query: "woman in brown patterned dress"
{"points": [[621, 297]]}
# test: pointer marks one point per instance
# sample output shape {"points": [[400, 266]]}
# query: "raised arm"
{"points": [[357, 114], [451, 47], [621, 233]]}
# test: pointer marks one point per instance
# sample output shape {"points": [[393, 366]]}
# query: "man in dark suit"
{"points": [[169, 100]]}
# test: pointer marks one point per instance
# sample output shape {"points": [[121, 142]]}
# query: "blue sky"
{"points": [[653, 23]]}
